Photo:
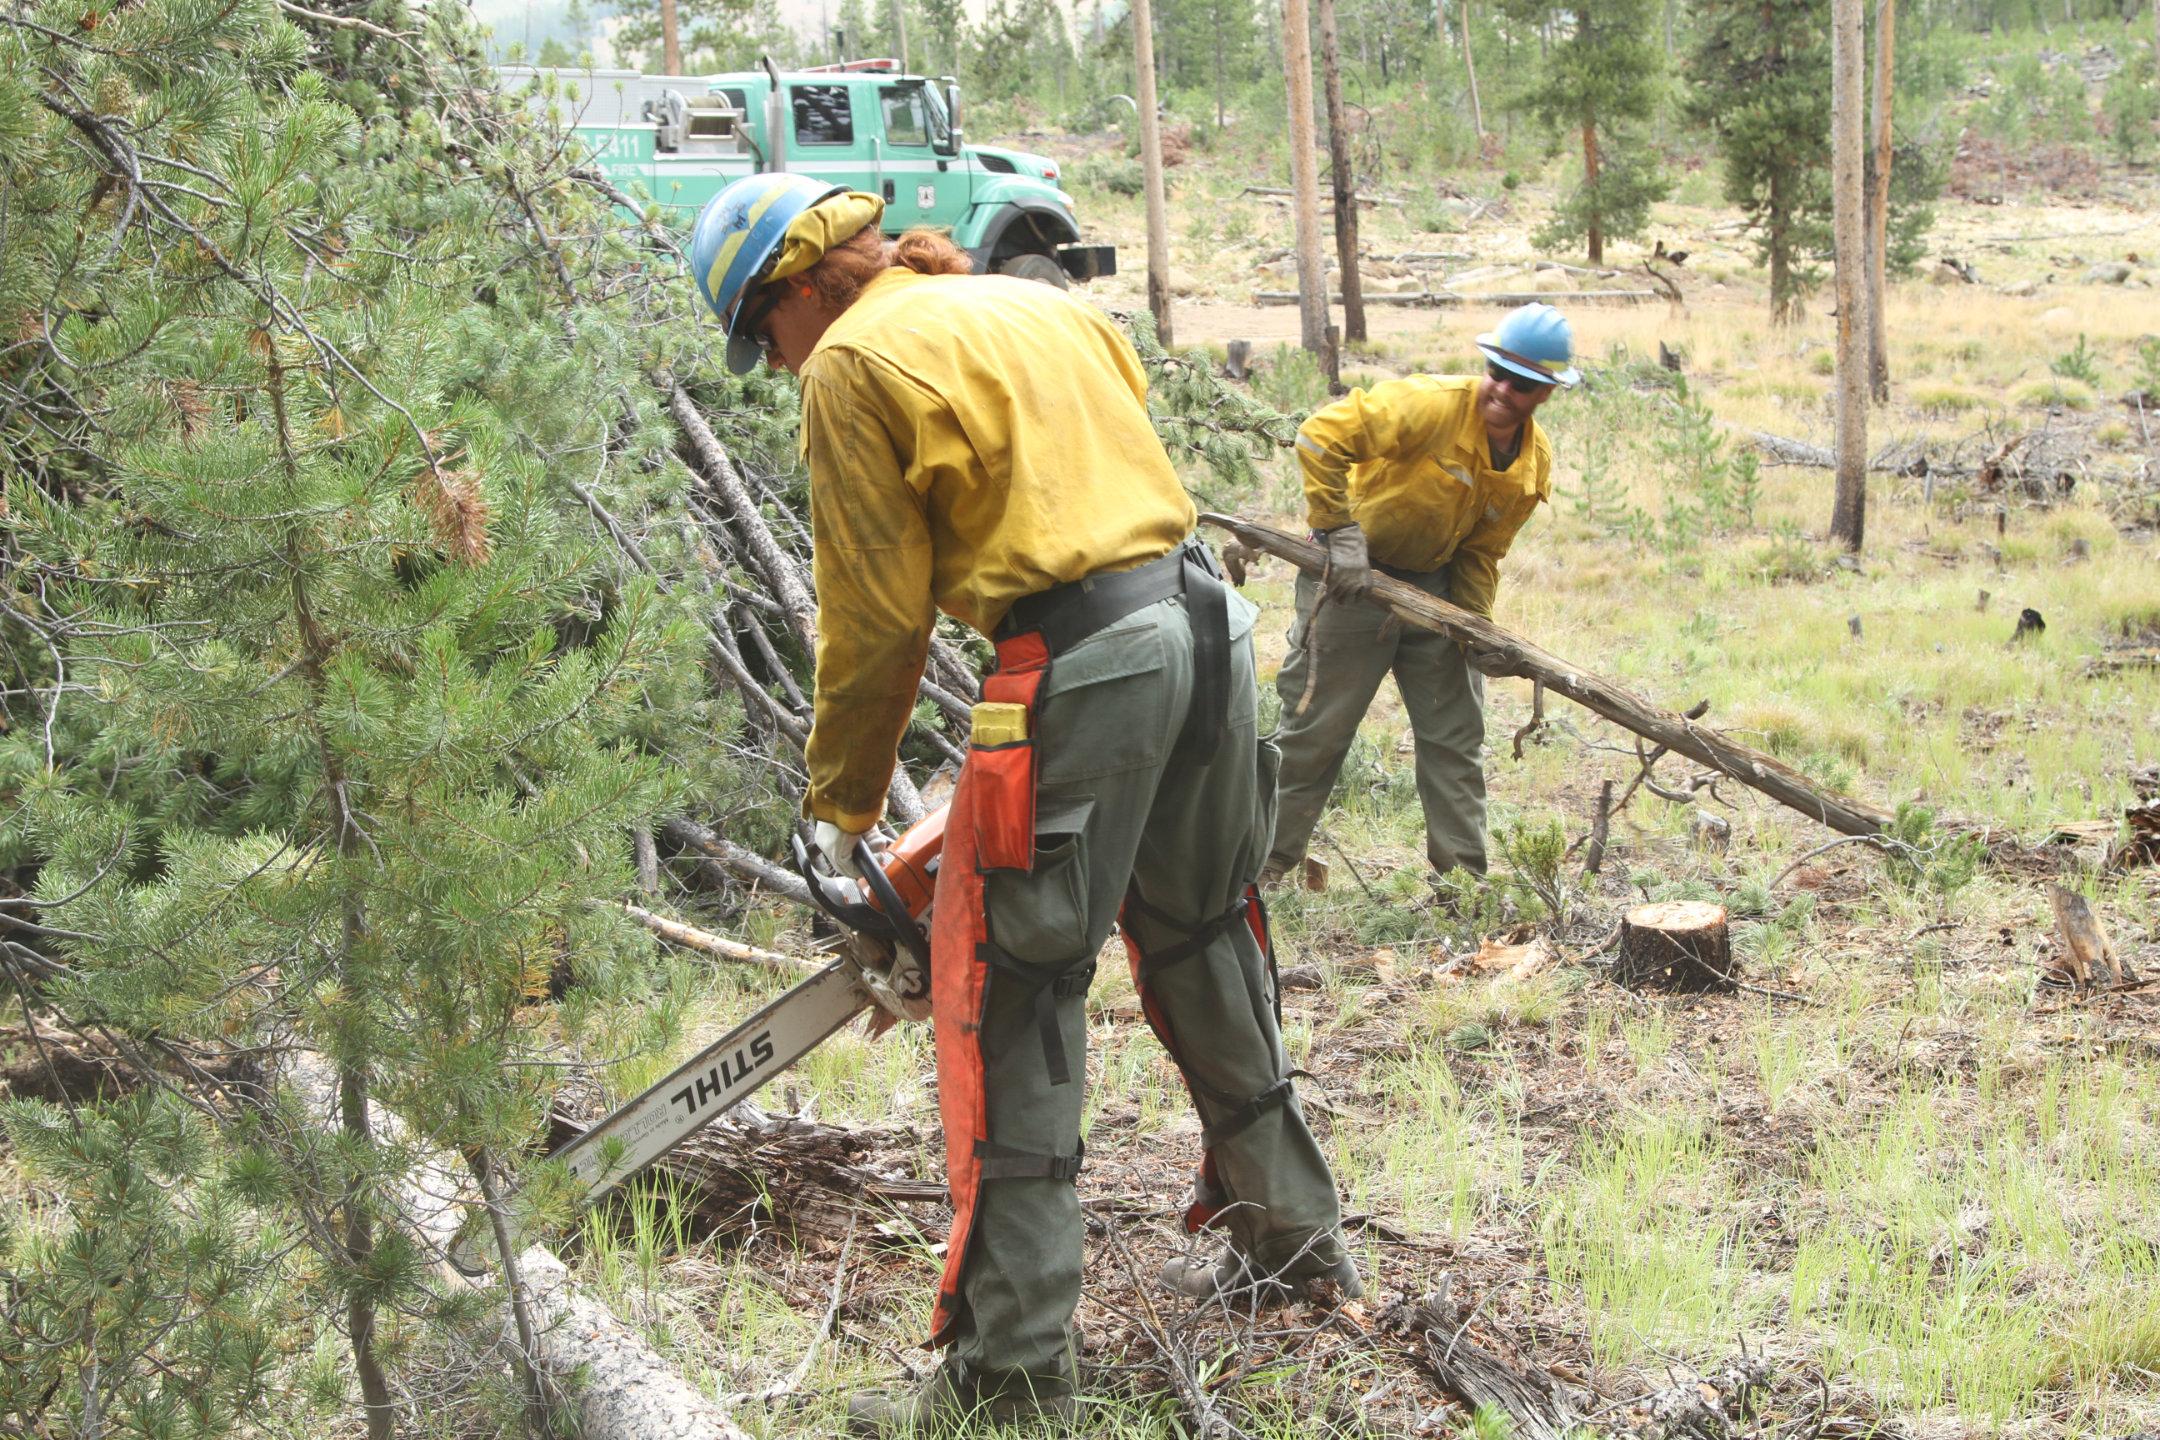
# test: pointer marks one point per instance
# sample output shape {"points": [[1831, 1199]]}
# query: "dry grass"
{"points": [[1925, 1183]]}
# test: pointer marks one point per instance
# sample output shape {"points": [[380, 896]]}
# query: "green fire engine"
{"points": [[679, 139]]}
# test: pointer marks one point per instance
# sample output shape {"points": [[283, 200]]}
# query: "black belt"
{"points": [[1064, 615], [1414, 577]]}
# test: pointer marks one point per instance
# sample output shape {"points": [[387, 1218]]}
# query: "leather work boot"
{"points": [[949, 1403], [1233, 1280]]}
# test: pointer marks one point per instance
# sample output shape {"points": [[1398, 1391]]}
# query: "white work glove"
{"points": [[838, 848], [1349, 569]]}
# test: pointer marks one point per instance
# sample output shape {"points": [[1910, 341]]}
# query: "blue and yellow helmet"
{"points": [[739, 235]]}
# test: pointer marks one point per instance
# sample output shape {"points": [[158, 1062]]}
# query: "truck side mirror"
{"points": [[952, 110]]}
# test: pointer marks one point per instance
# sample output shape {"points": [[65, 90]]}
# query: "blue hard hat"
{"points": [[1538, 334], [738, 236]]}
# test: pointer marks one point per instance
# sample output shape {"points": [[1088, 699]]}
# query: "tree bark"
{"points": [[1469, 60], [359, 1243], [1675, 945], [670, 39], [723, 483], [1158, 223], [899, 25], [1590, 176], [1848, 521], [1494, 651], [1782, 309], [1346, 238], [1879, 204], [624, 1390], [1219, 110], [1305, 180]]}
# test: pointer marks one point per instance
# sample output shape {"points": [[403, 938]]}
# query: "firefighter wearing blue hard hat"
{"points": [[1428, 479], [980, 445], [761, 229]]}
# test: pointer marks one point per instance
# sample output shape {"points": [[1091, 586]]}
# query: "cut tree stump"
{"points": [[1675, 945]]}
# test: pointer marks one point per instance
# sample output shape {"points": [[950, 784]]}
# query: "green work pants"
{"points": [[1119, 805], [1351, 647]]}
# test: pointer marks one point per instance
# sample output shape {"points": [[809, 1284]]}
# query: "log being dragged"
{"points": [[1675, 945], [1494, 651]]}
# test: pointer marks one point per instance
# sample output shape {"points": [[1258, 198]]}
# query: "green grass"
{"points": [[1923, 1183]]}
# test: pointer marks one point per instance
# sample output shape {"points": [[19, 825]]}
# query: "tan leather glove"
{"points": [[1349, 569], [838, 848]]}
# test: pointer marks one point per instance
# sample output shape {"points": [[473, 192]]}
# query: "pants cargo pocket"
{"points": [[1041, 917], [1039, 955]]}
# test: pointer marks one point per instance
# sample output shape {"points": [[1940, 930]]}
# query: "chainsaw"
{"points": [[883, 966]]}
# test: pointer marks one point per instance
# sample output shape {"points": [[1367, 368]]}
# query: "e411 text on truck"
{"points": [[680, 139]]}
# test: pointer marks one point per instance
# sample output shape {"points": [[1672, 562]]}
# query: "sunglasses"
{"points": [[761, 308], [1520, 384]]}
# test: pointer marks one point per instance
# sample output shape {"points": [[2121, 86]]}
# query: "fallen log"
{"points": [[1896, 458], [1436, 299], [690, 937], [1327, 195], [735, 860], [716, 471], [1494, 651], [616, 1385]]}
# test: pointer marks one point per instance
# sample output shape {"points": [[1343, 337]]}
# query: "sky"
{"points": [[534, 22]]}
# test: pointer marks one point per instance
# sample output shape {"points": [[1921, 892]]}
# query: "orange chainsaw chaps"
{"points": [[990, 825]]}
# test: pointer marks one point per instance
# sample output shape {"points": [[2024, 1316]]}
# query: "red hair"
{"points": [[838, 279]]}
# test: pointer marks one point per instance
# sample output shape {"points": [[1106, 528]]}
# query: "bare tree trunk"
{"points": [[670, 40], [1219, 115], [1305, 180], [1477, 112], [1158, 223], [359, 1242], [1782, 309], [899, 27], [1590, 175], [1849, 519], [1879, 205], [1346, 241]]}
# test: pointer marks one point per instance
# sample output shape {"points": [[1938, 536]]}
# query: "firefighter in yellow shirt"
{"points": [[1427, 479], [981, 446]]}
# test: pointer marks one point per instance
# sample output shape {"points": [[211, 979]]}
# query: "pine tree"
{"points": [[1210, 46], [1760, 78], [708, 28], [330, 705], [1601, 79]]}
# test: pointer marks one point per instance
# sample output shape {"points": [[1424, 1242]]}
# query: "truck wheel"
{"points": [[1039, 268]]}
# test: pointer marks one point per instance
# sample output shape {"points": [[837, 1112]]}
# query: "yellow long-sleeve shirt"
{"points": [[971, 440], [1410, 462]]}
